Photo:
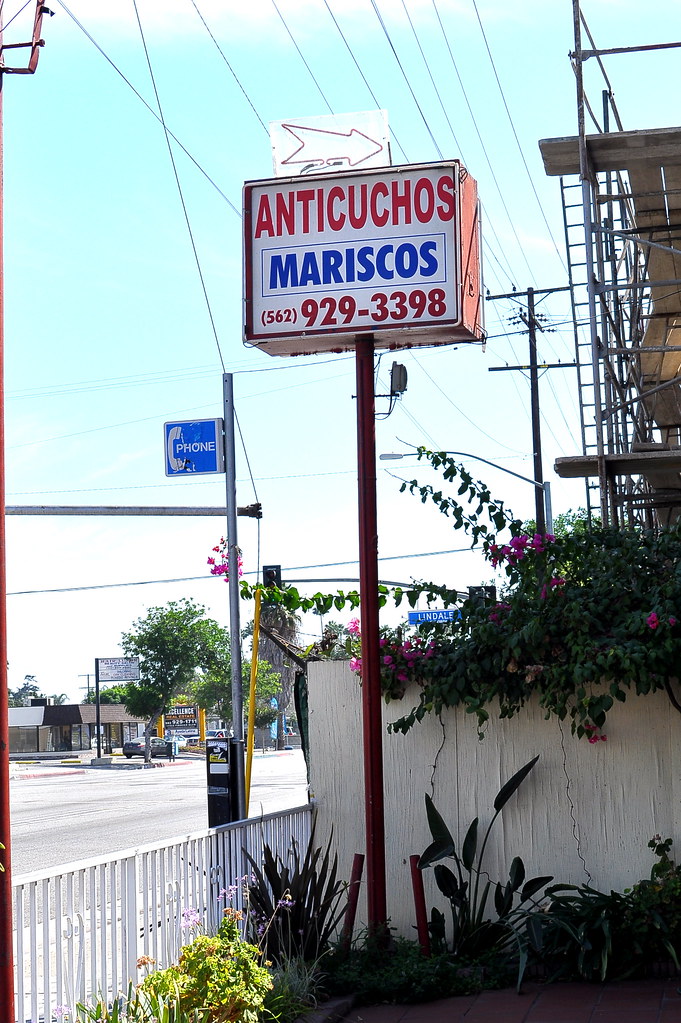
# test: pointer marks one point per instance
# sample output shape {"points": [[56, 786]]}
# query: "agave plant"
{"points": [[468, 887], [295, 905]]}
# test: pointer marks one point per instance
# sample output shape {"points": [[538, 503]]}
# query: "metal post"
{"points": [[585, 174], [233, 583], [371, 672], [549, 507], [98, 710], [536, 426]]}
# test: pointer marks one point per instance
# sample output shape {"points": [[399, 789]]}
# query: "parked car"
{"points": [[189, 740], [135, 747], [218, 733]]}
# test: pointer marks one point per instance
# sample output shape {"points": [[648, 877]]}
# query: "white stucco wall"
{"points": [[620, 792]]}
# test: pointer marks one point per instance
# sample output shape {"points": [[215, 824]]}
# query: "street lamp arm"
{"points": [[479, 458], [465, 454]]}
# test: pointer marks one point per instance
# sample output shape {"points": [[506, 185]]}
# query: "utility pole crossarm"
{"points": [[35, 44]]}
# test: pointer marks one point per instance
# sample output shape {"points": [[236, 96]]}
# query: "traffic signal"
{"points": [[271, 575]]}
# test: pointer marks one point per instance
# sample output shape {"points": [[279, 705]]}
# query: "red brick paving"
{"points": [[649, 1001]]}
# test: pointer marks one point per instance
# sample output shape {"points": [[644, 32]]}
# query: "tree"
{"points": [[59, 699], [111, 694], [283, 624], [211, 689], [22, 696], [172, 642]]}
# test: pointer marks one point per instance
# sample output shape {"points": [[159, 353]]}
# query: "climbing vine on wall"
{"points": [[581, 620]]}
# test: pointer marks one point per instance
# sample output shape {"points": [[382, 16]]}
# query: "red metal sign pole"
{"points": [[6, 937], [6, 958], [371, 673]]}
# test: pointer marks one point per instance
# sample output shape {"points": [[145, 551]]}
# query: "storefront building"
{"points": [[69, 728]]}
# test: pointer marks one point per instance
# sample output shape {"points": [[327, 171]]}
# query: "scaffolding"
{"points": [[621, 193]]}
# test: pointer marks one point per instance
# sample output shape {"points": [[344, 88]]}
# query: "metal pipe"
{"points": [[250, 510], [372, 718]]}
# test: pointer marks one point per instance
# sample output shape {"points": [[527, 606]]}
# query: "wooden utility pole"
{"points": [[532, 323]]}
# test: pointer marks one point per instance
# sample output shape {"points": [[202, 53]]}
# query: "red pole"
{"points": [[420, 905], [6, 956], [353, 898], [371, 674]]}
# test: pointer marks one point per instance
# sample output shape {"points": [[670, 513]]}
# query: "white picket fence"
{"points": [[80, 933]]}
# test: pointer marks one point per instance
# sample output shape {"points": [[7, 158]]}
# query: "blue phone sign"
{"points": [[194, 447]]}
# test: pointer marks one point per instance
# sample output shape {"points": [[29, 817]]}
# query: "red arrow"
{"points": [[327, 146]]}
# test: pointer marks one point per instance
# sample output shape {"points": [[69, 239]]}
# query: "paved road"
{"points": [[60, 815]]}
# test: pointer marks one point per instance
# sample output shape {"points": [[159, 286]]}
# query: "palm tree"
{"points": [[283, 624]]}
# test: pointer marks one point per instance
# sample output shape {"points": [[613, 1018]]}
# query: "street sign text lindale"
{"points": [[392, 251]]}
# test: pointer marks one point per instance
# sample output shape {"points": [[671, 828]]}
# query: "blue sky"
{"points": [[108, 333]]}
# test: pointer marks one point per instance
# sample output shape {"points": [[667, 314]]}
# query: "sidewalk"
{"points": [[21, 770], [646, 1001], [80, 764]]}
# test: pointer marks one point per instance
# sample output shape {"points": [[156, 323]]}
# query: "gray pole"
{"points": [[236, 759], [233, 560]]}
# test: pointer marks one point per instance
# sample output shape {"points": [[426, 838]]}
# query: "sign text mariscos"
{"points": [[351, 253]]}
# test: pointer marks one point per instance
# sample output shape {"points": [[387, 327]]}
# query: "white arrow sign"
{"points": [[317, 144]]}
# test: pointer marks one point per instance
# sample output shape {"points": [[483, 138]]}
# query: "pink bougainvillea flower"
{"points": [[387, 659], [672, 621], [356, 664], [652, 620], [353, 626]]}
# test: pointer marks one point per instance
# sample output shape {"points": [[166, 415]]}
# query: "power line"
{"points": [[179, 188], [209, 578], [515, 135], [151, 110]]}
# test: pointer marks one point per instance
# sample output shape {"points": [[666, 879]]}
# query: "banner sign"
{"points": [[330, 257]]}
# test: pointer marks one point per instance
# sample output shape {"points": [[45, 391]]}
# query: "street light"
{"points": [[544, 487]]}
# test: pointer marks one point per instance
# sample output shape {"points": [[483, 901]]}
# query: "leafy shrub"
{"points": [[589, 934], [402, 974], [220, 974]]}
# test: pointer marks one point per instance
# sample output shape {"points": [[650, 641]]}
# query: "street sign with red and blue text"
{"points": [[392, 251]]}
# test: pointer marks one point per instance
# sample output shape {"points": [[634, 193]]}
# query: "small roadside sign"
{"points": [[442, 614], [117, 669], [194, 447]]}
